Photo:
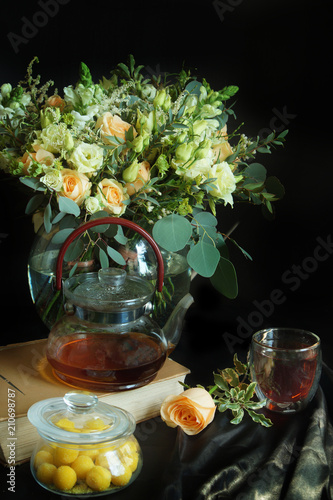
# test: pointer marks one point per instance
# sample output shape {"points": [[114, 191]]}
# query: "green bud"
{"points": [[68, 141], [137, 144], [203, 150], [167, 104], [184, 152], [199, 126], [130, 173], [162, 163], [159, 98]]}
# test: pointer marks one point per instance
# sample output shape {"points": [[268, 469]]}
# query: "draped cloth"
{"points": [[293, 460]]}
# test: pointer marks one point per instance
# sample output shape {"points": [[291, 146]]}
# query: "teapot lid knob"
{"points": [[112, 276]]}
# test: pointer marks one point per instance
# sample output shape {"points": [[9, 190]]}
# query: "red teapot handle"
{"points": [[110, 220]]}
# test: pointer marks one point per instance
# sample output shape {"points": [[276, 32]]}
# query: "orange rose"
{"points": [[112, 125], [142, 178], [40, 156], [75, 186], [55, 101], [112, 196], [192, 410], [222, 149]]}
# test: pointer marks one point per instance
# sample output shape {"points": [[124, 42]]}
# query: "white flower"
{"points": [[224, 184], [92, 204], [87, 158], [199, 167], [56, 138], [52, 179]]}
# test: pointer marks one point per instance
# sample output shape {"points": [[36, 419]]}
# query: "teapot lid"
{"points": [[80, 418], [108, 290]]}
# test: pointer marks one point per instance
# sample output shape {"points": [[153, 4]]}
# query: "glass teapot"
{"points": [[106, 340]]}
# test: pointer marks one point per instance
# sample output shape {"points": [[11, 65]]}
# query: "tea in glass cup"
{"points": [[286, 365]]}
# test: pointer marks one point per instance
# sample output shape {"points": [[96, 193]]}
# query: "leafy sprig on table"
{"points": [[232, 390]]}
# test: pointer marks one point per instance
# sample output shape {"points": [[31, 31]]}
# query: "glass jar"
{"points": [[86, 447]]}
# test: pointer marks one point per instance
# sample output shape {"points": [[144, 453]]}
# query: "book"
{"points": [[26, 377]]}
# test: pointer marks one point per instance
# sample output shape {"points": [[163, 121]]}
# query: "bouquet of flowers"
{"points": [[157, 151]]}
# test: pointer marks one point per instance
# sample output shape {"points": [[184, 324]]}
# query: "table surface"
{"points": [[291, 460]]}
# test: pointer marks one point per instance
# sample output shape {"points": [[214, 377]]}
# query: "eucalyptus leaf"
{"points": [[203, 258], [61, 236], [74, 250], [103, 258], [172, 232], [256, 172], [47, 218], [102, 228], [224, 279], [116, 256], [120, 237], [34, 203], [33, 183], [68, 206], [205, 219]]}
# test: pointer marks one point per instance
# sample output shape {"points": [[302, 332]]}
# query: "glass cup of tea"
{"points": [[286, 365]]}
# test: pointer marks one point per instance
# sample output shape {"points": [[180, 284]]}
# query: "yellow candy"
{"points": [[98, 478], [43, 456], [45, 473], [89, 453], [82, 465], [123, 478], [96, 424], [65, 423], [129, 455], [64, 456], [64, 477]]}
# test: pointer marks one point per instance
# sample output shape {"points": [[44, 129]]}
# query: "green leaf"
{"points": [[259, 418], [103, 258], [172, 232], [47, 218], [102, 228], [116, 256], [34, 203], [220, 382], [203, 258], [224, 279], [68, 206], [256, 172], [250, 391], [273, 185], [60, 236], [74, 250], [238, 417], [120, 237], [33, 183], [205, 219], [230, 376], [241, 368]]}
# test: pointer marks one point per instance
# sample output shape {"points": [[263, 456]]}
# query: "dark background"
{"points": [[278, 53]]}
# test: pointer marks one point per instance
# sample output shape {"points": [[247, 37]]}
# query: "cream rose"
{"points": [[192, 410], [224, 184], [112, 125], [87, 158], [141, 179], [75, 186], [112, 196], [52, 179]]}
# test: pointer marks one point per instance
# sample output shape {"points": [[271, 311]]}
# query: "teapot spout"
{"points": [[173, 327]]}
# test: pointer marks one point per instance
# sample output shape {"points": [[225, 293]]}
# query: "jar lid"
{"points": [[108, 290], [80, 418]]}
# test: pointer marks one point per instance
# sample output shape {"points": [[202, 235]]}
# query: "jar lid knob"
{"points": [[80, 402], [112, 276]]}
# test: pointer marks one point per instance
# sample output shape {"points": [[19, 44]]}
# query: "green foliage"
{"points": [[232, 391]]}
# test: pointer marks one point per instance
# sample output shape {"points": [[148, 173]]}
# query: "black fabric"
{"points": [[293, 460]]}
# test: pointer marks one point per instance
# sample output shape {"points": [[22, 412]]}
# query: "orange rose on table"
{"points": [[192, 410], [112, 196], [112, 125], [75, 186]]}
